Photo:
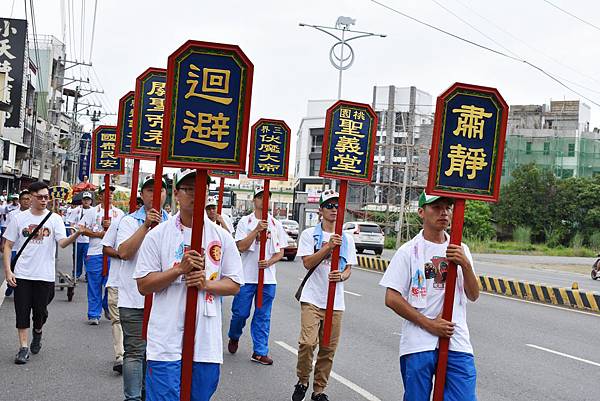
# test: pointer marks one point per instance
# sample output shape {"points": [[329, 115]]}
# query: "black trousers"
{"points": [[32, 295]]}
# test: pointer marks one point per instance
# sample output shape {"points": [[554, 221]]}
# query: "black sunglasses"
{"points": [[331, 206]]}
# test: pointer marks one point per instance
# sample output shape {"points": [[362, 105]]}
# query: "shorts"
{"points": [[32, 295], [163, 380]]}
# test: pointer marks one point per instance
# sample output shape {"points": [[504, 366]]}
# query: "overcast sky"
{"points": [[291, 63]]}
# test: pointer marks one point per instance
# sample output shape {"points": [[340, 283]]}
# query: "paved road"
{"points": [[538, 269], [76, 359]]}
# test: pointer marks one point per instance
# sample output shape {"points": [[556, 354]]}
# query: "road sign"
{"points": [[104, 161], [148, 111], [269, 150], [349, 142], [208, 107], [468, 143]]}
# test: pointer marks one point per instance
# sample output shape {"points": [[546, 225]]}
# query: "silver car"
{"points": [[366, 235]]}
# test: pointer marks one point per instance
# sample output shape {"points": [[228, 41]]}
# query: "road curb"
{"points": [[585, 300]]}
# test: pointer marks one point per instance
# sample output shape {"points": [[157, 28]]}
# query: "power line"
{"points": [[498, 52], [572, 15], [93, 29]]}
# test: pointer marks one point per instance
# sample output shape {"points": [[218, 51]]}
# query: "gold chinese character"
{"points": [[206, 126], [158, 89], [157, 103], [267, 147], [268, 157], [345, 113], [214, 80], [107, 154], [270, 139], [350, 127], [475, 162], [153, 135], [130, 118], [155, 120], [359, 115], [108, 163], [108, 137], [461, 157], [347, 163], [107, 145], [268, 167], [264, 129], [348, 144], [470, 121]]}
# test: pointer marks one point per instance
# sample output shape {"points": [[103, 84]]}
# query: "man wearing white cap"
{"points": [[167, 268], [415, 283], [83, 241], [132, 231], [94, 226], [247, 237], [219, 219], [315, 247]]}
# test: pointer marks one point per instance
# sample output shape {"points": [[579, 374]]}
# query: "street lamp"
{"points": [[342, 61]]}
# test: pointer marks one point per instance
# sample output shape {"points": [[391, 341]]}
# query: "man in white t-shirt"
{"points": [[75, 217], [131, 233], [221, 220], [247, 237], [34, 272], [12, 204], [315, 247], [109, 244], [167, 268], [94, 226], [416, 282]]}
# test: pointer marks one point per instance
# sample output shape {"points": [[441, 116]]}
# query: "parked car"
{"points": [[367, 236], [290, 251], [291, 227]]}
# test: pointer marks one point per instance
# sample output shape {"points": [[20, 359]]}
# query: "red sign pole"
{"points": [[106, 206], [221, 193], [189, 327], [135, 176], [456, 232], [156, 197], [263, 244], [335, 261]]}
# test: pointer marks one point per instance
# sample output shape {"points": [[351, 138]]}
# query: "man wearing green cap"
{"points": [[416, 282]]}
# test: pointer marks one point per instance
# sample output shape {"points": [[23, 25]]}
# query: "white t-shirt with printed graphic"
{"points": [[77, 218], [93, 221], [250, 256], [398, 277], [162, 248], [317, 286], [110, 239], [38, 259]]}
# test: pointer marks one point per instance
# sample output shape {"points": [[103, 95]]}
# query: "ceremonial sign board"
{"points": [[468, 143], [349, 142], [269, 150], [104, 160], [209, 86], [234, 175], [125, 128], [148, 111]]}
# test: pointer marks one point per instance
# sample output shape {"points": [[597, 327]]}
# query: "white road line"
{"points": [[563, 354], [352, 386], [352, 293], [2, 291], [541, 304]]}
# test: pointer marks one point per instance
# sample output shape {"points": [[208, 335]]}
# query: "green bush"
{"points": [[595, 241], [522, 235], [577, 241], [390, 242]]}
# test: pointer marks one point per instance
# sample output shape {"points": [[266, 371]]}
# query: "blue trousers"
{"points": [[82, 250], [418, 370], [96, 291], [163, 380], [261, 321]]}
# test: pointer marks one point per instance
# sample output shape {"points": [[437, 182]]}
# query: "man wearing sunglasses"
{"points": [[315, 247], [34, 273]]}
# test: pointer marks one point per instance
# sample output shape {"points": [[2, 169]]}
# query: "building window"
{"points": [[546, 148], [528, 148], [567, 173], [571, 150], [316, 145], [314, 167]]}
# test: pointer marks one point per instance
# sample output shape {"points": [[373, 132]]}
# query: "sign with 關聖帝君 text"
{"points": [[148, 112], [269, 150], [207, 109], [349, 142], [468, 143], [104, 160]]}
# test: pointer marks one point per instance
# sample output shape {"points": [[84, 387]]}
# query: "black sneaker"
{"points": [[319, 397], [299, 392], [22, 356], [118, 367], [36, 343]]}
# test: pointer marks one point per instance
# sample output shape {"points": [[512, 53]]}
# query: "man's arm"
{"points": [[456, 254], [158, 281], [224, 287], [244, 244], [313, 260], [65, 242], [6, 256], [128, 248], [110, 251], [263, 264]]}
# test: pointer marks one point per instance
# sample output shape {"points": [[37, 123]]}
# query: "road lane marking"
{"points": [[352, 293], [563, 354], [352, 386], [541, 304]]}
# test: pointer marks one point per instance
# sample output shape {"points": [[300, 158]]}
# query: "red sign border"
{"points": [[212, 174], [241, 166], [326, 134], [286, 167], [150, 155], [120, 117], [94, 136], [437, 135]]}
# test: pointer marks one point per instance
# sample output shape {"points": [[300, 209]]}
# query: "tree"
{"points": [[478, 221]]}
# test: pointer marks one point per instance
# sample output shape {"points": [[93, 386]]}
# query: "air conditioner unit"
{"points": [[6, 167]]}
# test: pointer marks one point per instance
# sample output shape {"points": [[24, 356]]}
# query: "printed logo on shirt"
{"points": [[418, 284], [39, 237], [214, 252], [440, 271]]}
